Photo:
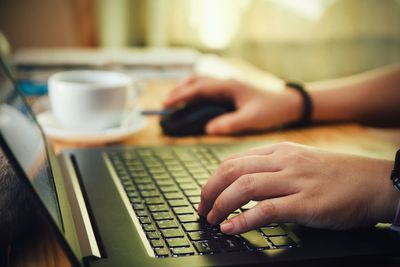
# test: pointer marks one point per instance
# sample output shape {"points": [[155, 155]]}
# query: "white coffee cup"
{"points": [[91, 100]]}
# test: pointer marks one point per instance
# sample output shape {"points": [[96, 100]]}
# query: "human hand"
{"points": [[255, 109], [299, 184]]}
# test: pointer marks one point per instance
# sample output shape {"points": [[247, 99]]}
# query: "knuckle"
{"points": [[247, 184], [219, 206], [285, 145], [242, 221], [227, 168], [267, 209], [296, 157]]}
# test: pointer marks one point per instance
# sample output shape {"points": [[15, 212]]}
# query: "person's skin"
{"points": [[296, 183]]}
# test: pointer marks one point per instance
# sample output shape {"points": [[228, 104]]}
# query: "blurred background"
{"points": [[294, 39]]}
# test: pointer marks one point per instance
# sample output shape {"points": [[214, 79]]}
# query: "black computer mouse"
{"points": [[191, 118]]}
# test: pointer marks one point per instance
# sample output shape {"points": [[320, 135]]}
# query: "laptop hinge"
{"points": [[83, 225]]}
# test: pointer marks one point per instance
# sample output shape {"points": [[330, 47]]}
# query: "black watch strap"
{"points": [[395, 177], [307, 103]]}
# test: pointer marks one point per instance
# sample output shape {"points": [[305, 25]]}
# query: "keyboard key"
{"points": [[192, 193], [206, 247], [183, 179], [177, 195], [151, 193], [273, 231], [194, 200], [135, 173], [141, 213], [132, 194], [186, 186], [137, 207], [177, 242], [202, 182], [146, 187], [129, 188], [161, 252], [189, 227], [142, 181], [183, 210], [156, 243], [169, 188], [203, 175], [154, 200], [152, 235], [144, 220], [182, 251], [175, 168], [165, 182], [188, 218], [162, 216], [172, 233], [157, 208], [180, 173], [135, 200], [165, 224], [231, 243], [282, 241], [161, 176], [149, 227], [255, 239], [178, 202], [201, 235]]}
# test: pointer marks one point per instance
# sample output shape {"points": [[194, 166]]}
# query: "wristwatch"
{"points": [[395, 177], [307, 108]]}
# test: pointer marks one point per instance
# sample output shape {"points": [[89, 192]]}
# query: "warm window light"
{"points": [[216, 21], [309, 9]]}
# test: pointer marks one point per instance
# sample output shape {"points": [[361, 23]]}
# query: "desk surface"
{"points": [[348, 138]]}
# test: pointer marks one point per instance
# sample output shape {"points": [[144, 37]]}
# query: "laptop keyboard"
{"points": [[164, 186]]}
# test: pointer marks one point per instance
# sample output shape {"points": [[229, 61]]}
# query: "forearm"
{"points": [[372, 96]]}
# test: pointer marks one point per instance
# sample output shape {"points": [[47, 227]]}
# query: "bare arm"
{"points": [[372, 97]]}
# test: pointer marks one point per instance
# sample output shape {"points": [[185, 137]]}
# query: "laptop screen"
{"points": [[25, 140]]}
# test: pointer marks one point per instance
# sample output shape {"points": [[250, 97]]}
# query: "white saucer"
{"points": [[54, 130]]}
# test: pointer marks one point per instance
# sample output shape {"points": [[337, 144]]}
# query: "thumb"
{"points": [[228, 123]]}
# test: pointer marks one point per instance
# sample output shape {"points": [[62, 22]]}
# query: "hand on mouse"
{"points": [[256, 109], [300, 184]]}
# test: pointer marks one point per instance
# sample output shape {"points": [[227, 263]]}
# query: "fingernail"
{"points": [[227, 227], [211, 217]]}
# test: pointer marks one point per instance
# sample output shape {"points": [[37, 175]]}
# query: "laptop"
{"points": [[136, 206]]}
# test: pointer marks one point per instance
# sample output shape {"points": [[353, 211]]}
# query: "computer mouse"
{"points": [[191, 118]]}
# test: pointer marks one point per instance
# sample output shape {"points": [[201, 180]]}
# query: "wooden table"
{"points": [[348, 138]]}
